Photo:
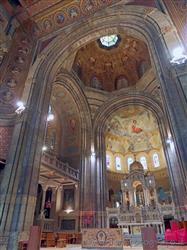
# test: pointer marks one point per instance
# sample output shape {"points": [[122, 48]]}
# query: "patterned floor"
{"points": [[77, 247]]}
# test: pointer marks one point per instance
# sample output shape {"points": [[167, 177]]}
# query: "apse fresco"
{"points": [[133, 129]]}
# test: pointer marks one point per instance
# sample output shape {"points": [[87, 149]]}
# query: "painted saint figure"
{"points": [[136, 129]]}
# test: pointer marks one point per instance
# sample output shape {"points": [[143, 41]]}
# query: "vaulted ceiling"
{"points": [[50, 15], [112, 69]]}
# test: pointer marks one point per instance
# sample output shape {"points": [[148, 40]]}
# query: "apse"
{"points": [[132, 135]]}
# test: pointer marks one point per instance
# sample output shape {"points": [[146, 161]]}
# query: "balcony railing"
{"points": [[51, 161], [47, 225]]}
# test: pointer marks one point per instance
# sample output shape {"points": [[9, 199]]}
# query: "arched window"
{"points": [[121, 83], [142, 68], [118, 163], [108, 161], [129, 161], [143, 161], [95, 83], [156, 161], [109, 41]]}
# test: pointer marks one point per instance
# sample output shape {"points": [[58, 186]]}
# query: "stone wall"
{"points": [[5, 139]]}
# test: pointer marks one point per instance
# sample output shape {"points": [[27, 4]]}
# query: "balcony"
{"points": [[47, 225], [55, 164]]}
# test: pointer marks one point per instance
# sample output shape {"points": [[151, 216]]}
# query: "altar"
{"points": [[102, 238], [139, 206]]}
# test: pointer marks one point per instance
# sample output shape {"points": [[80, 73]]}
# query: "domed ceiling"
{"points": [[115, 67], [133, 129]]}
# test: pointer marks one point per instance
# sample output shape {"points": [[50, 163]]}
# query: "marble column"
{"points": [[53, 202], [173, 88], [44, 188], [18, 189], [59, 199]]}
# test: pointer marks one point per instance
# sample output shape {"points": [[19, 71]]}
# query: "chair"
{"points": [[182, 235], [176, 234], [171, 235]]}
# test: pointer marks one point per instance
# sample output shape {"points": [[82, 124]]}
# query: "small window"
{"points": [[129, 162], [109, 41], [118, 163], [108, 161], [143, 161], [121, 83], [156, 161]]}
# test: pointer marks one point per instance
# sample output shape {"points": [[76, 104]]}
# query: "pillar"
{"points": [[98, 163], [59, 199], [53, 202], [18, 189], [145, 196], [44, 188], [174, 92], [131, 197]]}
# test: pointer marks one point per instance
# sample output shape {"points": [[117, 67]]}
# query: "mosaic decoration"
{"points": [[15, 73], [67, 14], [60, 18], [64, 104], [119, 68], [178, 12], [102, 238]]}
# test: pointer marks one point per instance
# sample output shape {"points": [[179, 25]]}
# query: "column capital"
{"points": [[44, 186]]}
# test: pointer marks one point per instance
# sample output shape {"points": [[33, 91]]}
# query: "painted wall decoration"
{"points": [[65, 13], [69, 120], [68, 200], [133, 129], [111, 70], [102, 238]]}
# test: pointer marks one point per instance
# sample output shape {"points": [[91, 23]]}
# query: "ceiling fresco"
{"points": [[132, 129], [115, 68], [51, 15], [66, 109]]}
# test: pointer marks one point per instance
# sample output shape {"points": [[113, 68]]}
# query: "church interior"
{"points": [[93, 124]]}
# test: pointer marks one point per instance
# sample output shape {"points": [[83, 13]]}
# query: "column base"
{"points": [[10, 240]]}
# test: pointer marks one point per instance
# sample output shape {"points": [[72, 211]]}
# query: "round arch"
{"points": [[114, 104], [141, 23]]}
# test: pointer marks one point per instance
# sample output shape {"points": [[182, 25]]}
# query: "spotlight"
{"points": [[19, 104], [69, 210], [50, 117], [20, 108], [44, 148], [179, 56], [169, 140]]}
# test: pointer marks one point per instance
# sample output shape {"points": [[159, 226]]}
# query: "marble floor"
{"points": [[78, 247]]}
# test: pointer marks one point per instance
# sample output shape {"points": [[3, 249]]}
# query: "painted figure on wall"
{"points": [[68, 199], [136, 129], [72, 124]]}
